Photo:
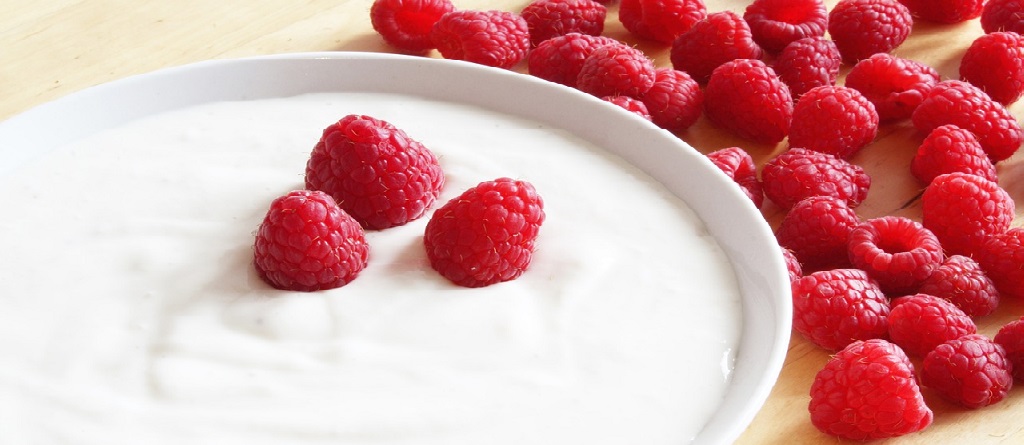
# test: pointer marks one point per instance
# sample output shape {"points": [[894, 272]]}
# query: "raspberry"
{"points": [[660, 20], [868, 391], [559, 59], [776, 23], [966, 106], [972, 371], [963, 210], [719, 38], [833, 119], [1011, 338], [376, 173], [918, 323], [739, 165], [817, 230], [1003, 15], [897, 252], [944, 11], [799, 173], [833, 308], [487, 234], [307, 243], [552, 18], [629, 104], [862, 28], [807, 63], [949, 149], [961, 281], [745, 97], [995, 63], [675, 100], [792, 264], [493, 38], [1001, 257], [614, 70], [406, 24], [894, 85]]}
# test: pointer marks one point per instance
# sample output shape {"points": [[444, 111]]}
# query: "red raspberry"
{"points": [[1001, 257], [833, 119], [972, 371], [1003, 15], [963, 210], [862, 28], [799, 173], [675, 100], [807, 63], [961, 281], [995, 63], [406, 24], [719, 38], [918, 323], [944, 11], [833, 308], [1011, 338], [817, 230], [552, 18], [949, 149], [966, 106], [660, 20], [792, 264], [777, 23], [894, 85], [630, 104], [559, 59], [376, 173], [614, 70], [492, 38], [745, 97], [307, 243], [739, 165], [897, 252], [487, 234], [868, 391]]}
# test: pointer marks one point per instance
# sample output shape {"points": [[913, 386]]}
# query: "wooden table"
{"points": [[51, 48]]}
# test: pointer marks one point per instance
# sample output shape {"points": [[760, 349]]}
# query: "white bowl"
{"points": [[730, 217]]}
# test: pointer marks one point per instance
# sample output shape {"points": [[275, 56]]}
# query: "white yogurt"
{"points": [[130, 312]]}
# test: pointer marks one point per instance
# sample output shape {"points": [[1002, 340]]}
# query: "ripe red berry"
{"points": [[972, 371], [559, 59], [944, 11], [862, 28], [1011, 338], [961, 280], [792, 264], [1001, 256], [746, 98], [406, 24], [552, 18], [833, 119], [868, 391], [919, 323], [995, 63], [833, 308], [660, 20], [799, 173], [817, 230], [897, 252], [492, 38], [739, 165], [307, 243], [487, 234], [1003, 15], [630, 104], [966, 106], [807, 63], [896, 86], [376, 172], [777, 23], [675, 101], [963, 210], [950, 149], [719, 38], [616, 70]]}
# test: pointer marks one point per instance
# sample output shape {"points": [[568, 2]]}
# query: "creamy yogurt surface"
{"points": [[131, 312]]}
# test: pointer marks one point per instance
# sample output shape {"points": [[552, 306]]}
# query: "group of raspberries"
{"points": [[877, 291], [366, 174]]}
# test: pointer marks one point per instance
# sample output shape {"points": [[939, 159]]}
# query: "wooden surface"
{"points": [[51, 48]]}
